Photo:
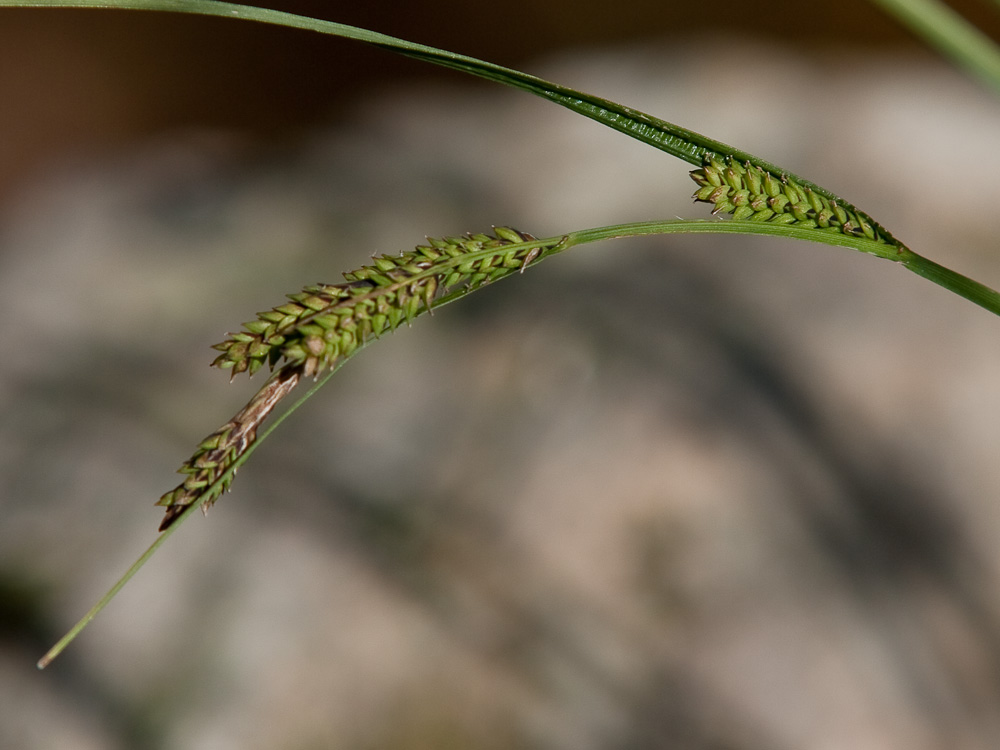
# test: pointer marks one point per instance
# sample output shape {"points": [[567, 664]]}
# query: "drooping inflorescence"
{"points": [[750, 193], [326, 323]]}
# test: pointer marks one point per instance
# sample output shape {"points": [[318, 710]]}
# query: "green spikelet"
{"points": [[328, 322], [750, 193]]}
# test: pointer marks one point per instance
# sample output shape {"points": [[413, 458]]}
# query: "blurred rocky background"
{"points": [[707, 493]]}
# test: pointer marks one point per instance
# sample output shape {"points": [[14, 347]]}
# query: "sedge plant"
{"points": [[311, 335]]}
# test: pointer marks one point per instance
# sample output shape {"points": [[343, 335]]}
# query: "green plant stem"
{"points": [[84, 621], [955, 37], [953, 281]]}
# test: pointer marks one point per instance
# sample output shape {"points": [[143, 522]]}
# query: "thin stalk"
{"points": [[951, 34], [84, 621], [953, 281]]}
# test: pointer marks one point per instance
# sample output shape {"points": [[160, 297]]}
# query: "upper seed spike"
{"points": [[750, 193]]}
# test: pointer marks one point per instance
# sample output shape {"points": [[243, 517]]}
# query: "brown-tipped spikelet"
{"points": [[208, 470], [750, 193]]}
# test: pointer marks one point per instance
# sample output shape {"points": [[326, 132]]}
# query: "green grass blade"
{"points": [[677, 141], [951, 34], [673, 139]]}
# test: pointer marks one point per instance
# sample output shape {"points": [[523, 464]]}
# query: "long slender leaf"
{"points": [[677, 141], [953, 36]]}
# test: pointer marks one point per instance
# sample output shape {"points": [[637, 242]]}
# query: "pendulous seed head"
{"points": [[325, 323]]}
